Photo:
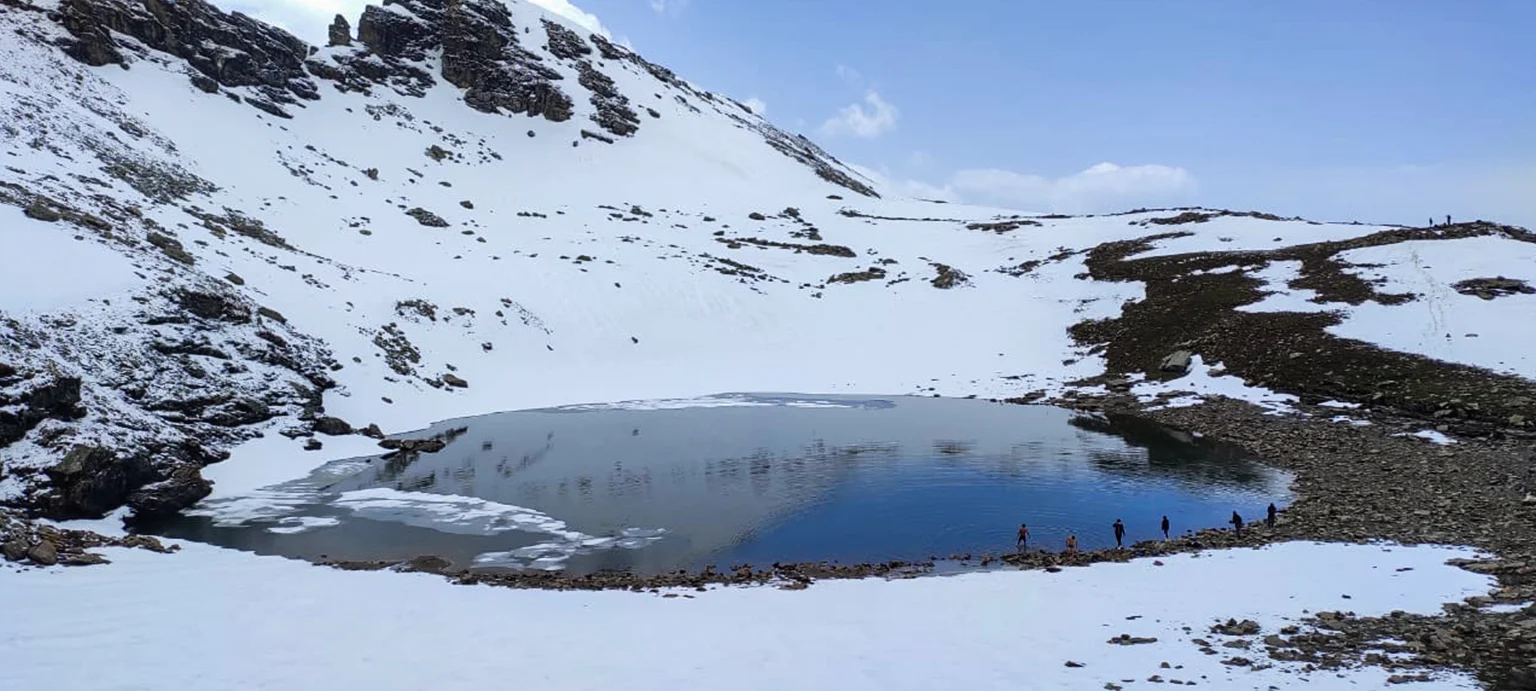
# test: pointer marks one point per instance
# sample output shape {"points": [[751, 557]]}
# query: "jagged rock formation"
{"points": [[223, 49], [475, 44], [340, 33]]}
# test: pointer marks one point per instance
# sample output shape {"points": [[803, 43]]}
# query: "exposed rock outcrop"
{"points": [[33, 400], [231, 49], [340, 33], [479, 52]]}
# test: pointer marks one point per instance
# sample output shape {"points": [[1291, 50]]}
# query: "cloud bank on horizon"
{"points": [[1103, 187]]}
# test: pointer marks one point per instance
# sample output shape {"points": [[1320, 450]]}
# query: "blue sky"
{"points": [[1381, 110]]}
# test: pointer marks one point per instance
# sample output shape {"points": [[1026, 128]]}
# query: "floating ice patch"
{"points": [[449, 513], [551, 556], [669, 404], [725, 401], [269, 504], [299, 524]]}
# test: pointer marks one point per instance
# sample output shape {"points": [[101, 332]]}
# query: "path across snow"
{"points": [[213, 620]]}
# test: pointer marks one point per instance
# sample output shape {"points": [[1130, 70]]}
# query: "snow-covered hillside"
{"points": [[211, 230]]}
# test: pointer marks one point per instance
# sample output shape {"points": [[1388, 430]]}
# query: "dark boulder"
{"points": [[1177, 361], [332, 426], [237, 412], [44, 553], [14, 550], [184, 488], [91, 481], [427, 218], [212, 307], [455, 381]]}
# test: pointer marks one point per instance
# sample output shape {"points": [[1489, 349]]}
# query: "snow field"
{"points": [[214, 620]]}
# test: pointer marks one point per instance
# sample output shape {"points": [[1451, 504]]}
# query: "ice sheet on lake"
{"points": [[551, 556]]}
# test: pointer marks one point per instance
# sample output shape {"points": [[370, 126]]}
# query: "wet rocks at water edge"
{"points": [[413, 445], [25, 542], [184, 488]]}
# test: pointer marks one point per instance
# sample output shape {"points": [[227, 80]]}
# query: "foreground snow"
{"points": [[212, 619]]}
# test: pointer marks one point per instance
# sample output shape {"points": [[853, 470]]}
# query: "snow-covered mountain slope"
{"points": [[211, 230]]}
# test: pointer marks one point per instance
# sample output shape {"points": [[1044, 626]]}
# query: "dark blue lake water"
{"points": [[747, 479]]}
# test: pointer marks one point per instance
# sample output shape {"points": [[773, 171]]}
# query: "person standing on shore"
{"points": [[1237, 524], [1270, 518], [1023, 541], [1071, 544], [1165, 528], [1119, 533]]}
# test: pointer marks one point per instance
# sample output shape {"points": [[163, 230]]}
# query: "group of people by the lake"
{"points": [[1119, 530]]}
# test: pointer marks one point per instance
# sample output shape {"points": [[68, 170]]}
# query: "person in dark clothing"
{"points": [[1023, 541], [1270, 518], [1447, 219], [1237, 523], [1119, 533], [1165, 528]]}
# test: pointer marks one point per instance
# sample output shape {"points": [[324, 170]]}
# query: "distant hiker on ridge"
{"points": [[1270, 519], [1165, 528], [1119, 533], [1023, 542], [1237, 523], [1071, 544]]}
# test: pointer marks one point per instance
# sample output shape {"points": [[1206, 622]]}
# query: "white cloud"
{"points": [[668, 6], [308, 19], [855, 120], [849, 75], [888, 183], [756, 104], [1102, 188]]}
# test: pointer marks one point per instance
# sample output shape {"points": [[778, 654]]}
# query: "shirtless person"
{"points": [[1023, 541], [1071, 544]]}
